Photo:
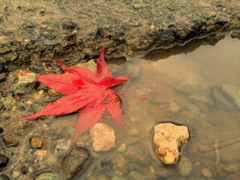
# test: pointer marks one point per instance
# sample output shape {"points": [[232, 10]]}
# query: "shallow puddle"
{"points": [[196, 85], [184, 85]]}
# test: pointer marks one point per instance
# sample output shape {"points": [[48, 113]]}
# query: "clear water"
{"points": [[190, 78]]}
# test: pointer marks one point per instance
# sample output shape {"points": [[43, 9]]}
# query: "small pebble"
{"points": [[5, 115], [206, 173], [122, 148], [185, 167], [41, 153], [15, 174], [37, 142]]}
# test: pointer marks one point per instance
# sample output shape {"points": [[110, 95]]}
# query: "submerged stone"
{"points": [[103, 137], [233, 93], [138, 155], [74, 162], [168, 139], [133, 175], [185, 167]]}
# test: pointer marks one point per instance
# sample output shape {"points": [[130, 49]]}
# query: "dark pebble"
{"points": [[1, 130], [24, 170], [3, 161], [75, 162]]}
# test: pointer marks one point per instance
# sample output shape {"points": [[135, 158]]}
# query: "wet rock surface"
{"points": [[36, 31], [75, 162]]}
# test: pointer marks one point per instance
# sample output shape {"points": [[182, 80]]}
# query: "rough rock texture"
{"points": [[103, 137], [168, 139], [35, 31], [74, 162]]}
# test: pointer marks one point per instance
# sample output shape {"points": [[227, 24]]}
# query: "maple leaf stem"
{"points": [[145, 97]]}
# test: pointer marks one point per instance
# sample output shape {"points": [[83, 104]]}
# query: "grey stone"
{"points": [[189, 87], [75, 162], [137, 155], [25, 85], [202, 98], [133, 175], [185, 167], [221, 100], [233, 93]]}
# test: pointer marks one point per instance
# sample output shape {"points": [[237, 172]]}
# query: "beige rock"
{"points": [[168, 139], [37, 142], [206, 173], [103, 137]]}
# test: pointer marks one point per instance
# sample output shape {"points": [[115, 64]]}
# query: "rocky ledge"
{"points": [[40, 31]]}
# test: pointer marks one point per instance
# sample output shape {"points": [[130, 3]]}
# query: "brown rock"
{"points": [[37, 142], [10, 141]]}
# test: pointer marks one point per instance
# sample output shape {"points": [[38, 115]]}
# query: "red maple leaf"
{"points": [[85, 91]]}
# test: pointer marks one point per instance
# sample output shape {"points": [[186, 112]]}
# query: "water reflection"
{"points": [[183, 49]]}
